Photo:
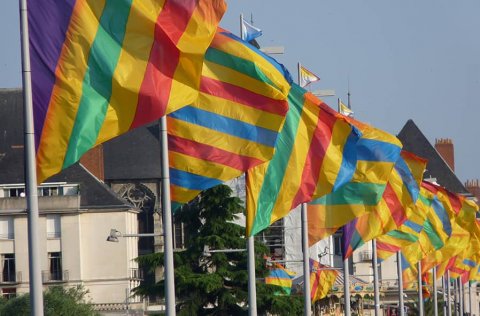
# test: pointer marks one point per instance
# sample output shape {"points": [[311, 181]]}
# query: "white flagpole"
{"points": [[36, 290], [306, 263], [420, 295], [167, 222], [460, 294], [401, 306], [435, 296], [470, 297], [252, 290], [375, 278], [346, 285], [449, 302], [444, 286]]}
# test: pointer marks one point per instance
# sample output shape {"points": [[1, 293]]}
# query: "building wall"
{"points": [[104, 268]]}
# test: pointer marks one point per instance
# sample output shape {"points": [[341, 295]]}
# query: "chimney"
{"points": [[444, 146], [93, 161], [473, 186]]}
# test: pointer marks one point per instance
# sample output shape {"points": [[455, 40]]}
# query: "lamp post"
{"points": [[115, 234]]}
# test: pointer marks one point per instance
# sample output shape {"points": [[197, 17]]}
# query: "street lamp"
{"points": [[115, 234], [207, 251]]}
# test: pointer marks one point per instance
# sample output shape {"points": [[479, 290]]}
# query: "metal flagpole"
{"points": [[306, 263], [346, 286], [420, 295], [167, 222], [401, 306], [449, 302], [444, 286], [470, 297], [252, 290], [435, 296], [455, 296], [36, 293], [376, 291], [460, 294]]}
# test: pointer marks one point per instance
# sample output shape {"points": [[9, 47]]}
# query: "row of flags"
{"points": [[100, 69]]}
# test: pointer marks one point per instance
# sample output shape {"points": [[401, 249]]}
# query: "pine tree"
{"points": [[217, 283]]}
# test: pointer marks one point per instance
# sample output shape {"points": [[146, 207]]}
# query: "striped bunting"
{"points": [[233, 126], [281, 277], [101, 68]]}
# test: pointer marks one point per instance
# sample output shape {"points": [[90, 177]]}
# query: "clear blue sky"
{"points": [[403, 59]]}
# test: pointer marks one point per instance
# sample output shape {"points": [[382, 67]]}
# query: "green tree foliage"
{"points": [[217, 283], [58, 301]]}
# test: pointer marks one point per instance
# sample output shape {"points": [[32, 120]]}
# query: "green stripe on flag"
{"points": [[432, 235], [273, 179], [97, 83], [354, 193], [236, 63]]}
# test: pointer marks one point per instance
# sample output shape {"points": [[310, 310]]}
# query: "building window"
{"points": [[49, 191], [8, 268], [337, 240], [6, 227], [179, 236], [9, 292], [55, 262], [53, 226], [16, 192]]}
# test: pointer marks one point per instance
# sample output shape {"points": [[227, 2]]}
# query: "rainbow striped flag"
{"points": [[101, 68], [315, 154], [397, 204], [436, 228], [377, 153], [281, 277], [462, 224], [322, 280], [234, 124]]}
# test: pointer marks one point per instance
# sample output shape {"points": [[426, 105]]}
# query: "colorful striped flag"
{"points": [[233, 126], [397, 204], [322, 279], [315, 154], [281, 277], [377, 152], [101, 68], [462, 218], [436, 228]]}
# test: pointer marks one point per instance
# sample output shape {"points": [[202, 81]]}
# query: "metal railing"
{"points": [[55, 276], [11, 277], [365, 255], [136, 274]]}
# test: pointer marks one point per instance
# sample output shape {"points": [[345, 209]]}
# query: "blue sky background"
{"points": [[403, 60]]}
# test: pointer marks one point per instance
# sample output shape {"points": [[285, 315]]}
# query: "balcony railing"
{"points": [[136, 274], [54, 276], [11, 277], [365, 255]]}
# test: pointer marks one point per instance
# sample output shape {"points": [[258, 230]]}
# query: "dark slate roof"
{"points": [[94, 193], [134, 155], [415, 142]]}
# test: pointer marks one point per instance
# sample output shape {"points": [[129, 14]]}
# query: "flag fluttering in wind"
{"points": [[233, 125], [315, 153], [281, 277], [396, 206], [376, 153], [322, 279], [250, 32], [101, 68], [307, 77], [344, 110]]}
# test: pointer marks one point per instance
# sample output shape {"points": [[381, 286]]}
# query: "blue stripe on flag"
{"points": [[417, 228], [226, 125], [349, 161], [442, 214], [407, 178], [374, 150], [191, 181]]}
